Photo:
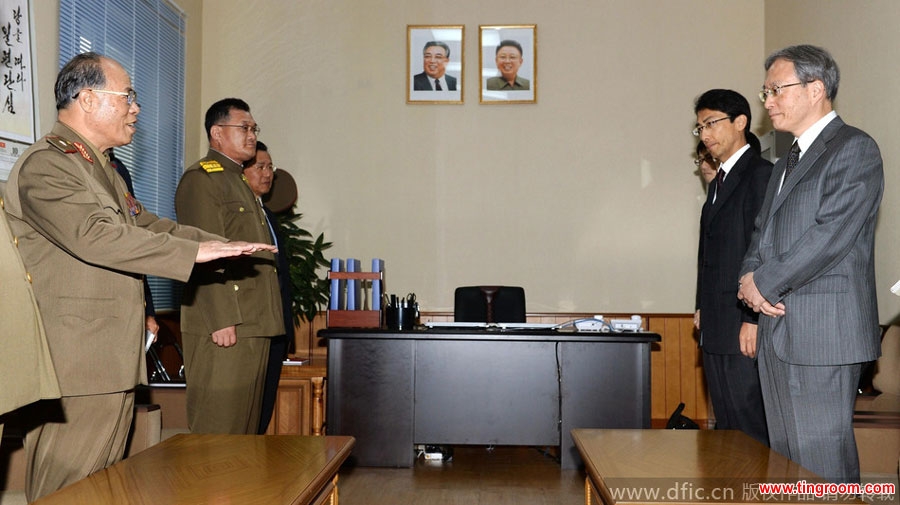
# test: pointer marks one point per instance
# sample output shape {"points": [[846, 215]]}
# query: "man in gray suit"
{"points": [[809, 270]]}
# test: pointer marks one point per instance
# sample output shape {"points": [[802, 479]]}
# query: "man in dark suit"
{"points": [[259, 172], [435, 56], [810, 268], [726, 224]]}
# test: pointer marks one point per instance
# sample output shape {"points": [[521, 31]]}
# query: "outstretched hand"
{"points": [[214, 249]]}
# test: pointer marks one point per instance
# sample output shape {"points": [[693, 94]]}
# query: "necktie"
{"points": [[793, 158], [720, 180], [437, 85], [268, 222]]}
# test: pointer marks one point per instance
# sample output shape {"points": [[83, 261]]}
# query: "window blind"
{"points": [[147, 38]]}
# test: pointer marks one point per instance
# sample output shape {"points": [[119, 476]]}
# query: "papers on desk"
{"points": [[502, 326]]}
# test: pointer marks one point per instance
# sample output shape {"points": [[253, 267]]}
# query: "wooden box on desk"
{"points": [[355, 318]]}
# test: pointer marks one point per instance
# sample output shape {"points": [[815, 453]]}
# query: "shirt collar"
{"points": [[806, 138], [238, 163], [728, 164]]}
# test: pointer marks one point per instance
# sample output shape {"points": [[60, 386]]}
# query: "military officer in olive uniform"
{"points": [[229, 312], [87, 243], [25, 363]]}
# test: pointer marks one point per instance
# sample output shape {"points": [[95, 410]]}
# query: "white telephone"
{"points": [[595, 323], [598, 323]]}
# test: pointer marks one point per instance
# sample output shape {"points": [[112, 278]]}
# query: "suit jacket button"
{"points": [[28, 276], [16, 241], [236, 287], [2, 205]]}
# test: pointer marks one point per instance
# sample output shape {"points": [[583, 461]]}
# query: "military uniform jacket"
{"points": [[25, 363], [86, 244], [242, 292]]}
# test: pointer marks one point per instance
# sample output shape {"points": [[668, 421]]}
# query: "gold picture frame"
{"points": [[505, 78], [435, 51]]}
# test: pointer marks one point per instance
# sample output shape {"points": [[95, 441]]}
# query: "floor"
{"points": [[476, 475]]}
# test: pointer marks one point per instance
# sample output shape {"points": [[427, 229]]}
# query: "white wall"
{"points": [[587, 198]]}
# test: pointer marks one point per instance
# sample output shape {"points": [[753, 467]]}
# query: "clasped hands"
{"points": [[750, 295]]}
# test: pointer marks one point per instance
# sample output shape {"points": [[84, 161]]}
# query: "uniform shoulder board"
{"points": [[211, 166], [62, 144]]}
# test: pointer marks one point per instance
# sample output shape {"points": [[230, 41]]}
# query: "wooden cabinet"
{"points": [[300, 403]]}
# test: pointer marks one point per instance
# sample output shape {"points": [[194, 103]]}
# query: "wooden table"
{"points": [[685, 467], [218, 469]]}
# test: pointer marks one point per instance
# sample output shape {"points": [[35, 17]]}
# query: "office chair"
{"points": [[489, 304]]}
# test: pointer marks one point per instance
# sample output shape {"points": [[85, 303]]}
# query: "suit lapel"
{"points": [[815, 150], [731, 183]]}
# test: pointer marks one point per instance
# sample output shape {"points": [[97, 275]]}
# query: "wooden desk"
{"points": [[394, 389], [684, 466], [202, 469], [300, 401]]}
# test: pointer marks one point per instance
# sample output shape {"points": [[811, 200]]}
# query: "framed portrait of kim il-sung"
{"points": [[508, 62], [435, 64]]}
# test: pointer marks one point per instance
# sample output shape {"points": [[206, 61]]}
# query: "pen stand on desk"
{"points": [[339, 318]]}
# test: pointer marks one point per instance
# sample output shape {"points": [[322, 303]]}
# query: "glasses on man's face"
{"points": [[246, 127], [130, 95], [435, 57], [709, 124], [264, 167], [708, 158], [774, 91]]}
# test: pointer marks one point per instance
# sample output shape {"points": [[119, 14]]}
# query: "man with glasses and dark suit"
{"points": [[726, 326], [435, 57]]}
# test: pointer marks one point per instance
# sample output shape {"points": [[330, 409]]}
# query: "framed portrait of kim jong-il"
{"points": [[435, 63], [507, 57]]}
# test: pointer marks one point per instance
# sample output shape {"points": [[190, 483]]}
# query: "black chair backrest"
{"points": [[489, 304]]}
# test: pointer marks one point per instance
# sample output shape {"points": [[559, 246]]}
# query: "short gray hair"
{"points": [[811, 63]]}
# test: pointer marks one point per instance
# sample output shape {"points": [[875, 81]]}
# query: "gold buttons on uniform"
{"points": [[16, 241], [2, 205], [236, 287], [28, 276], [240, 209]]}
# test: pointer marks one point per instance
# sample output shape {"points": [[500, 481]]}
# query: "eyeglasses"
{"points": [[699, 129], [265, 167], [774, 91], [438, 57], [707, 158], [131, 95], [246, 127]]}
